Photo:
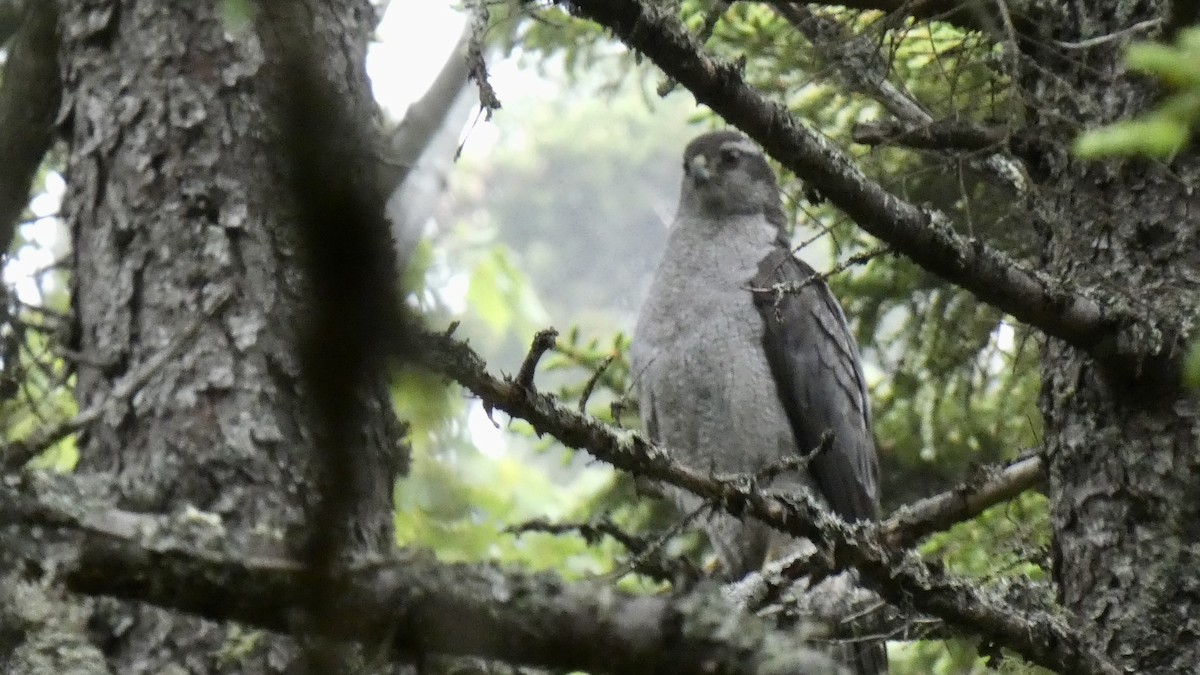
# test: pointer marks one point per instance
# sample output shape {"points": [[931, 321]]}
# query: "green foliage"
{"points": [[1164, 131], [461, 510], [500, 294], [1191, 368], [238, 15], [36, 386]]}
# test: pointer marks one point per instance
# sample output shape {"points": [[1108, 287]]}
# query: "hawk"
{"points": [[734, 378]]}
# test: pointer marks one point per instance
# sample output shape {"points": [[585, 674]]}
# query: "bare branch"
{"points": [[1110, 332], [1139, 27], [990, 486], [899, 577], [542, 343], [590, 386], [941, 135], [410, 605], [649, 559], [424, 117]]}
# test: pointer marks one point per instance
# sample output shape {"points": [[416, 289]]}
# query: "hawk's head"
{"points": [[724, 174]]}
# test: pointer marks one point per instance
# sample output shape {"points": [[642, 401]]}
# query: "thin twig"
{"points": [[1141, 26], [591, 383], [542, 343], [793, 287]]}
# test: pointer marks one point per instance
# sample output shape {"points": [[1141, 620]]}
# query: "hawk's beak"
{"points": [[698, 169]]}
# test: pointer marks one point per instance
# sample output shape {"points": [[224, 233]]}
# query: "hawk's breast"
{"points": [[698, 359]]}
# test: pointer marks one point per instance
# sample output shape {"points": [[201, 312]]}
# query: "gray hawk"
{"points": [[733, 378]]}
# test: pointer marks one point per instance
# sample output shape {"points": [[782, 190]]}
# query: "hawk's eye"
{"points": [[729, 156]]}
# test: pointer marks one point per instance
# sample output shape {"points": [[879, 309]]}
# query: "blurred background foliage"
{"points": [[555, 216]]}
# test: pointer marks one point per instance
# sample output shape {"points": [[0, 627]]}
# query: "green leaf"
{"points": [[1168, 63], [486, 295], [237, 15], [1157, 136], [1191, 367]]}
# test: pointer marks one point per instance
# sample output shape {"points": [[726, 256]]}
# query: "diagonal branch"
{"points": [[899, 577], [864, 70], [1110, 332], [988, 487]]}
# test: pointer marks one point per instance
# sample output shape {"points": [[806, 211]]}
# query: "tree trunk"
{"points": [[182, 245], [1123, 460]]}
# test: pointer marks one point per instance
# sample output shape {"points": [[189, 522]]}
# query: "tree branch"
{"points": [[426, 116], [989, 486], [943, 135], [1110, 332], [899, 577], [410, 605], [864, 70]]}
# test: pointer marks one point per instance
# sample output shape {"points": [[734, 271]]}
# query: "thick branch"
{"points": [[426, 116], [408, 606], [898, 577], [921, 233]]}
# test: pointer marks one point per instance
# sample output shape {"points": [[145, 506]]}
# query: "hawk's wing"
{"points": [[819, 377]]}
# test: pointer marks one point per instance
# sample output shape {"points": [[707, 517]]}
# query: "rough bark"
{"points": [[1122, 459], [177, 201]]}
